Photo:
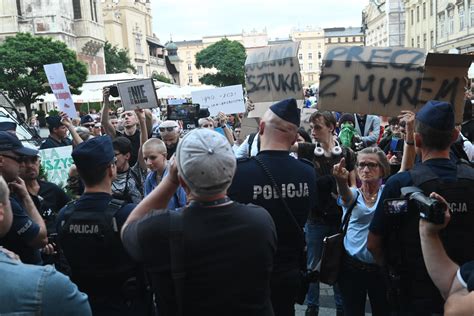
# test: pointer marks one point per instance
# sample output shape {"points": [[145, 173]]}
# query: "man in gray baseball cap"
{"points": [[220, 248]]}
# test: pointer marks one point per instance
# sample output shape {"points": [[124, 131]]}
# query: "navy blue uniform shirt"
{"points": [[297, 181], [52, 143], [444, 168]]}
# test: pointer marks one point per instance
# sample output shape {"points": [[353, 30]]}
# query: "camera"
{"points": [[113, 89], [189, 113]]}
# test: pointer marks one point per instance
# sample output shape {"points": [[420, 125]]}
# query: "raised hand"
{"points": [[339, 171]]}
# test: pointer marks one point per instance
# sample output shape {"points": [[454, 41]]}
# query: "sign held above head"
{"points": [[273, 74], [138, 94], [386, 80], [228, 100]]}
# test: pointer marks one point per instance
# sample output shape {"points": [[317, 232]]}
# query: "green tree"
{"points": [[161, 78], [117, 60], [228, 57], [21, 67]]}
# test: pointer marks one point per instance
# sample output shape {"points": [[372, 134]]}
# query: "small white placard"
{"points": [[58, 83], [228, 100]]}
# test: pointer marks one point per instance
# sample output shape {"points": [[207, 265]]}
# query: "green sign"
{"points": [[56, 163]]}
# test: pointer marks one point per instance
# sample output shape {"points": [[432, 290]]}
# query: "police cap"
{"points": [[287, 110], [437, 114], [94, 153]]}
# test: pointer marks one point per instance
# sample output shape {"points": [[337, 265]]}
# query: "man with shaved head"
{"points": [[288, 196]]}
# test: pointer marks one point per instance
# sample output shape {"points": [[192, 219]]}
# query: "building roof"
{"points": [[186, 43], [171, 46], [343, 31], [154, 41], [279, 41]]}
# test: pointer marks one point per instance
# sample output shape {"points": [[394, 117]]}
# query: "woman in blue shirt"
{"points": [[359, 275]]}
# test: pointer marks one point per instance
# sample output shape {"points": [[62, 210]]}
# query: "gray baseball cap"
{"points": [[206, 162]]}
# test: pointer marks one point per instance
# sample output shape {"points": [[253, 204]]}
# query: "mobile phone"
{"points": [[395, 206]]}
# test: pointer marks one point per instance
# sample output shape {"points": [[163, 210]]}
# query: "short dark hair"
{"points": [[433, 138], [92, 176], [122, 144], [329, 119]]}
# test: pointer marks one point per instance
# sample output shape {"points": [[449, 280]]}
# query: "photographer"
{"points": [[394, 238], [455, 283]]}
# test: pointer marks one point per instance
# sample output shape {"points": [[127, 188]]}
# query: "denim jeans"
{"points": [[315, 233]]}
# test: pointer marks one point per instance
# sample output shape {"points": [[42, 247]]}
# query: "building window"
{"points": [[461, 18], [190, 79], [471, 14], [319, 55], [347, 39], [18, 7], [431, 39], [431, 8], [310, 66], [93, 10], [418, 14], [354, 39], [441, 25], [424, 40], [76, 6], [451, 22], [329, 40], [138, 43], [424, 10], [310, 56], [301, 67], [412, 42], [140, 70], [412, 16], [190, 66], [418, 41], [310, 77], [338, 39], [300, 56]]}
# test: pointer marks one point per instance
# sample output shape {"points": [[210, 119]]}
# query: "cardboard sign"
{"points": [[273, 74], [384, 81], [60, 88], [56, 163], [138, 94], [228, 100]]}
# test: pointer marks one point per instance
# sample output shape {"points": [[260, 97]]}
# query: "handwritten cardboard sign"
{"points": [[273, 74], [384, 81], [56, 163], [228, 100], [138, 94], [60, 88]]}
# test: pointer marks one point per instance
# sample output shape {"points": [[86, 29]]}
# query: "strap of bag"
{"points": [[177, 256], [277, 189], [347, 217]]}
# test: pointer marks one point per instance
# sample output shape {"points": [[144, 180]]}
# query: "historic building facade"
{"points": [[78, 23], [384, 23]]}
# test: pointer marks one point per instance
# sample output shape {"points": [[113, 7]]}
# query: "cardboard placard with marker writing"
{"points": [[138, 94], [384, 81], [273, 74]]}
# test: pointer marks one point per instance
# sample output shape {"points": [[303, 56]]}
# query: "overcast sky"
{"points": [[192, 19]]}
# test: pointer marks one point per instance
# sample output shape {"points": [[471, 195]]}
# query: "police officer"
{"points": [[89, 234], [57, 133], [295, 187], [394, 239]]}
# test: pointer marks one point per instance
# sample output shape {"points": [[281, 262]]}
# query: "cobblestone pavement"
{"points": [[327, 307]]}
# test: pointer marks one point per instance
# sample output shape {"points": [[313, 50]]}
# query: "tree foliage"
{"points": [[117, 60], [22, 74], [228, 57], [161, 78]]}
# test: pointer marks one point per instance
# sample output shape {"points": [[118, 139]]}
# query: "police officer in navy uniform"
{"points": [[57, 133], [296, 182], [88, 232], [394, 238]]}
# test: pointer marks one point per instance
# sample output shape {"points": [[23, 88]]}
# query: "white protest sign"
{"points": [[228, 100], [138, 94], [58, 83], [56, 163]]}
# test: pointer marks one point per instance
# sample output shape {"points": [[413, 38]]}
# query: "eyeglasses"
{"points": [[18, 159], [370, 165], [89, 125], [167, 129]]}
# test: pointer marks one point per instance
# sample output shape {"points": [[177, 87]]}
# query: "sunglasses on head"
{"points": [[167, 129], [89, 125]]}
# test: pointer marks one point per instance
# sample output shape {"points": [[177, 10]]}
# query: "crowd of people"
{"points": [[158, 220]]}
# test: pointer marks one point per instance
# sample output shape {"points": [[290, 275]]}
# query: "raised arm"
{"points": [[76, 139], [342, 177], [143, 136], [104, 120], [409, 152]]}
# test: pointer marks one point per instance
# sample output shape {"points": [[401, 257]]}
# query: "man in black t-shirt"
{"points": [[57, 133], [296, 181], [227, 248]]}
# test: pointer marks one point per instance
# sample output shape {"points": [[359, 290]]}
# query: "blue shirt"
{"points": [[179, 197], [22, 232], [355, 241], [38, 290], [443, 168]]}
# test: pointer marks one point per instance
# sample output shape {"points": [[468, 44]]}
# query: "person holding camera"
{"points": [[359, 275], [394, 237], [455, 283]]}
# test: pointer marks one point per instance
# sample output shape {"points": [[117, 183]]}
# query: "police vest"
{"points": [[458, 237], [91, 243]]}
